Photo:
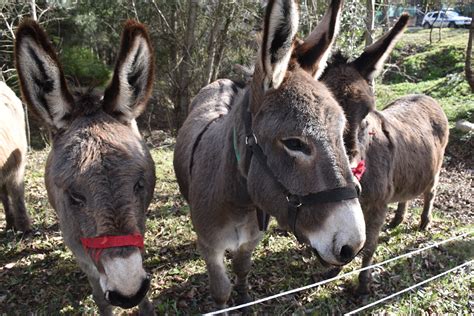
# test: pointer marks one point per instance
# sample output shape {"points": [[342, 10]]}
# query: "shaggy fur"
{"points": [[223, 192], [403, 145], [99, 174]]}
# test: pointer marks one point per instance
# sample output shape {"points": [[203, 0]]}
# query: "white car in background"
{"points": [[445, 18]]}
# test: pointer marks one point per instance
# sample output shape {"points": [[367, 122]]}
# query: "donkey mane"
{"points": [[337, 59], [87, 101]]}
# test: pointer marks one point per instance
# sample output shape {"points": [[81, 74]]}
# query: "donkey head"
{"points": [[299, 127], [349, 82], [99, 174]]}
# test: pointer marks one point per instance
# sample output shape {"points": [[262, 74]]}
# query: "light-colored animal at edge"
{"points": [[13, 152]]}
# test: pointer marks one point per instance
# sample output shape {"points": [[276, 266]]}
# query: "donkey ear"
{"points": [[370, 63], [280, 26], [126, 96], [313, 53], [42, 81]]}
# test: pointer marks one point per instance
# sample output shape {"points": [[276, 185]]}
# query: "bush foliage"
{"points": [[84, 66]]}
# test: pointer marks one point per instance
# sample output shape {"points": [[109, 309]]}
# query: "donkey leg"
{"points": [[146, 307], [6, 206], [219, 283], [426, 217], [241, 265], [399, 214], [16, 192], [429, 197], [373, 224]]}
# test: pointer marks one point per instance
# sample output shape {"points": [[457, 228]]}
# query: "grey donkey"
{"points": [[99, 174], [13, 148], [402, 146], [274, 146]]}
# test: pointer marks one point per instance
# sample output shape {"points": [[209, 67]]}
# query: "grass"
{"points": [[436, 70], [39, 274]]}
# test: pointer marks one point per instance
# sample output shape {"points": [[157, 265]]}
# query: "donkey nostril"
{"points": [[346, 253], [117, 299]]}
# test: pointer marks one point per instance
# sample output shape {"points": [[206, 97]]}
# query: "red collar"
{"points": [[358, 171], [95, 245]]}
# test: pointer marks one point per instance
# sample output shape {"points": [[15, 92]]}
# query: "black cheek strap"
{"points": [[295, 202]]}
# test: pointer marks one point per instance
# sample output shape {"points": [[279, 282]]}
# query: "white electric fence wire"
{"points": [[309, 286], [409, 288]]}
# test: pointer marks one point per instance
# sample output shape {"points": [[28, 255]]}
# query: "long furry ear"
{"points": [[280, 27], [313, 53], [42, 81], [127, 95], [371, 61]]}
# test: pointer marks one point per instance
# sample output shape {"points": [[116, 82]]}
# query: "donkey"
{"points": [[99, 174], [402, 146], [13, 148], [272, 147]]}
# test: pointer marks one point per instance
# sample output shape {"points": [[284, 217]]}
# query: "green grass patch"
{"points": [[452, 92]]}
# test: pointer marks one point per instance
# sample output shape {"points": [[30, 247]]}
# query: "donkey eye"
{"points": [[76, 199], [296, 144], [139, 185]]}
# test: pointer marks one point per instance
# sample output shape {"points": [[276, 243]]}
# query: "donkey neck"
{"points": [[226, 136], [374, 133], [236, 147]]}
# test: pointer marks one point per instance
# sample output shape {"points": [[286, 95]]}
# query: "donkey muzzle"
{"points": [[117, 299]]}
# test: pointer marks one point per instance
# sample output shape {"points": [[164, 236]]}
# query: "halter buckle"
{"points": [[294, 200], [247, 139]]}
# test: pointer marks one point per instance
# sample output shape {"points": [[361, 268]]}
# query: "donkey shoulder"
{"points": [[216, 95]]}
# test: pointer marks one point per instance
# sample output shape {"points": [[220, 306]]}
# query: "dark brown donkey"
{"points": [[99, 174], [402, 146], [274, 146], [13, 148]]}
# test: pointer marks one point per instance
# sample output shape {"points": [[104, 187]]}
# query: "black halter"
{"points": [[294, 201]]}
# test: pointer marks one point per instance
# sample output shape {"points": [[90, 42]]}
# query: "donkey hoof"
{"points": [[395, 222], [146, 308], [242, 299], [423, 225], [362, 290], [23, 225]]}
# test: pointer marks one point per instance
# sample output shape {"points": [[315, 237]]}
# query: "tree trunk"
{"points": [[222, 43], [182, 95], [33, 10], [369, 32], [436, 19], [468, 66], [212, 43], [386, 23], [34, 16]]}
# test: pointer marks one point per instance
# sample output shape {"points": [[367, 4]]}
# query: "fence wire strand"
{"points": [[309, 286], [409, 288]]}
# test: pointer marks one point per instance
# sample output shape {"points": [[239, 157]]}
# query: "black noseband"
{"points": [[295, 202]]}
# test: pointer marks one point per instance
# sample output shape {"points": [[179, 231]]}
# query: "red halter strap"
{"points": [[95, 245], [358, 171]]}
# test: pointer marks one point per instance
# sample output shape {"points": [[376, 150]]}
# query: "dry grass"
{"points": [[38, 274]]}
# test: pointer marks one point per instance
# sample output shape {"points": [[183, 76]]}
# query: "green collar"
{"points": [[236, 151]]}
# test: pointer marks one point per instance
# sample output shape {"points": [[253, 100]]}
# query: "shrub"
{"points": [[83, 65]]}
